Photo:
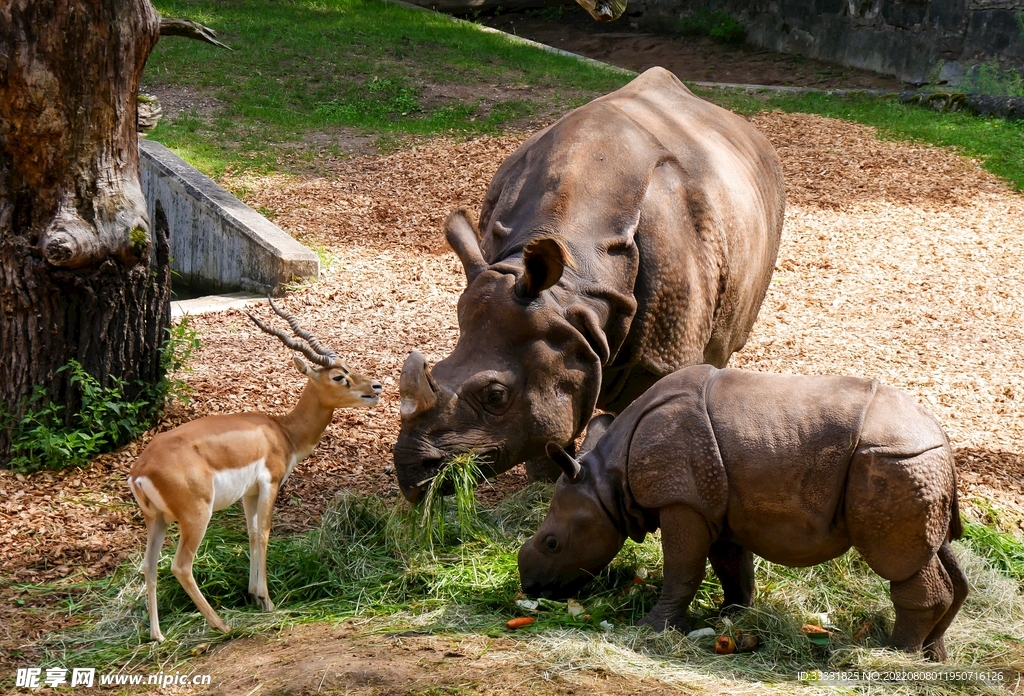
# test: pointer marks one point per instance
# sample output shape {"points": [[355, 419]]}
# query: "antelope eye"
{"points": [[341, 378], [551, 543]]}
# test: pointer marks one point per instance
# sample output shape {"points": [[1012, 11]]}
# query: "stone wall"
{"points": [[907, 38]]}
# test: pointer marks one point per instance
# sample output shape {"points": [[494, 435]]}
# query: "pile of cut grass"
{"points": [[374, 559], [429, 518], [1003, 551], [985, 637]]}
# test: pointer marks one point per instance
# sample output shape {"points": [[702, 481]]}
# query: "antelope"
{"points": [[208, 464]]}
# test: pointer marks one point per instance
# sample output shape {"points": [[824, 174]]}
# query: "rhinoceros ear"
{"points": [[544, 259], [565, 461], [464, 239]]}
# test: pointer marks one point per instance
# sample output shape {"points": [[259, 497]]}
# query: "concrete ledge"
{"points": [[214, 303], [218, 244]]}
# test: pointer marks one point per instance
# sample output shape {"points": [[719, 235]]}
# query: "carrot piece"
{"points": [[863, 632], [520, 622]]}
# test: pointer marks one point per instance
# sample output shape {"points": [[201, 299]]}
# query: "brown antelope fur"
{"points": [[208, 464]]}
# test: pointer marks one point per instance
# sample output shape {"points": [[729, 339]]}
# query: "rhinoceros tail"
{"points": [[956, 525]]}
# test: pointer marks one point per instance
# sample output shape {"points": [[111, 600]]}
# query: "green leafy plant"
{"points": [[989, 78], [175, 353], [46, 437], [718, 25], [552, 13]]}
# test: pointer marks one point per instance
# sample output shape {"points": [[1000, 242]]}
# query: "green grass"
{"points": [[319, 65], [1003, 551], [367, 559]]}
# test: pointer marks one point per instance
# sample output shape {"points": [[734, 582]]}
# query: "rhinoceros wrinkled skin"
{"points": [[634, 236], [796, 469]]}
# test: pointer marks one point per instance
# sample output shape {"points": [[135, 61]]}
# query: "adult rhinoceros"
{"points": [[633, 237]]}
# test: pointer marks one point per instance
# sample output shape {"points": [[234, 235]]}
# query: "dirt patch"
{"points": [[539, 105], [690, 57], [314, 659], [187, 101], [340, 142]]}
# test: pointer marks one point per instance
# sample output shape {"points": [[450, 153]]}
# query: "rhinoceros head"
{"points": [[521, 375], [578, 537]]}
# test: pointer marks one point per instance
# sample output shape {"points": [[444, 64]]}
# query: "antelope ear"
{"points": [[544, 259], [464, 239], [564, 460], [301, 366]]}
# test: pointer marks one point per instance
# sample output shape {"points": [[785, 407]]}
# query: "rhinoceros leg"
{"points": [[922, 602], [896, 521], [685, 541], [934, 645], [734, 566]]}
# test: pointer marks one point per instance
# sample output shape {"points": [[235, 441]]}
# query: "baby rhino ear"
{"points": [[565, 462]]}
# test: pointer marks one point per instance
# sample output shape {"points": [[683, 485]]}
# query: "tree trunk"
{"points": [[83, 273]]}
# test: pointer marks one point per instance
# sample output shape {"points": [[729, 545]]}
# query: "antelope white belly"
{"points": [[230, 485]]}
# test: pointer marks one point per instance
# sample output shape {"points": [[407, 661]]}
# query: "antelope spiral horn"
{"points": [[300, 332], [318, 358]]}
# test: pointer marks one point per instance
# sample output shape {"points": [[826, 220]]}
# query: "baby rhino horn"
{"points": [[565, 461]]}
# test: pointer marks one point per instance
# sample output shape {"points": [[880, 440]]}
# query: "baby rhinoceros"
{"points": [[795, 469]]}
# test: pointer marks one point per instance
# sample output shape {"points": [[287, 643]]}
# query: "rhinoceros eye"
{"points": [[495, 398], [551, 543]]}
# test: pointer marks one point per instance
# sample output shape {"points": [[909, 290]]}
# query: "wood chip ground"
{"points": [[899, 262]]}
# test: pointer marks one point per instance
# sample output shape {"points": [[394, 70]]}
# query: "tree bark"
{"points": [[84, 274]]}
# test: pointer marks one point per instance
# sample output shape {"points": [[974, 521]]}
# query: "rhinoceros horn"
{"points": [[416, 386], [464, 239], [565, 461]]}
